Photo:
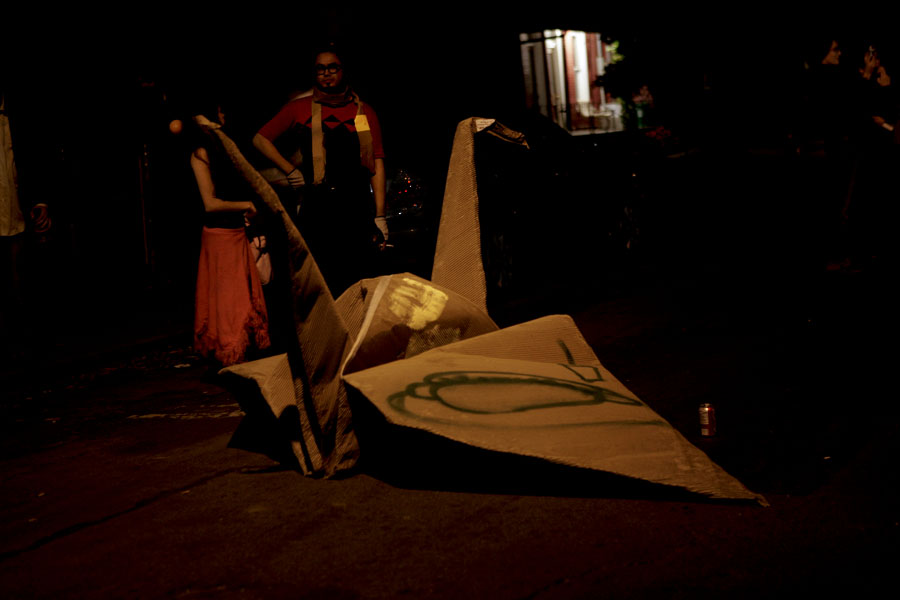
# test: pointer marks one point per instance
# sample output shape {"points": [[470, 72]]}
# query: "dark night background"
{"points": [[697, 273], [89, 92]]}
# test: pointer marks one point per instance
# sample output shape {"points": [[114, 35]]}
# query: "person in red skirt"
{"points": [[230, 318]]}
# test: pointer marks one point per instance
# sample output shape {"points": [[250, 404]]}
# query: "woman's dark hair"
{"points": [[208, 108], [207, 100], [817, 47]]}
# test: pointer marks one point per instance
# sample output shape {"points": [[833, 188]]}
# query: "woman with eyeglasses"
{"points": [[341, 172]]}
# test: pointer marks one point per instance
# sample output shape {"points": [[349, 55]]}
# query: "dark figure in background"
{"points": [[832, 95], [828, 123], [342, 172], [873, 190], [230, 319], [21, 217]]}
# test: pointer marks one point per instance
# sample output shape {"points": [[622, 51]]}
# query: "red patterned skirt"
{"points": [[230, 314]]}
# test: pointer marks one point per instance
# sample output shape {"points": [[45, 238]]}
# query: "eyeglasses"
{"points": [[330, 68]]}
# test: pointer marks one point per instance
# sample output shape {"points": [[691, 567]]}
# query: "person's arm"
{"points": [[268, 149], [378, 178], [870, 64], [276, 126], [200, 165], [882, 123], [379, 187]]}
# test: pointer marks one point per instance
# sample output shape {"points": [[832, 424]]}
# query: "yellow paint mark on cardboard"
{"points": [[417, 303]]}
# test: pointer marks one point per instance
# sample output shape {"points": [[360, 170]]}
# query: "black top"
{"points": [[230, 186]]}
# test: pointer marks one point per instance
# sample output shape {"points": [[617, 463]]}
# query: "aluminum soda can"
{"points": [[707, 420]]}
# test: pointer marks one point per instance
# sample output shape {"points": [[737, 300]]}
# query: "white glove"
{"points": [[295, 179], [381, 224]]}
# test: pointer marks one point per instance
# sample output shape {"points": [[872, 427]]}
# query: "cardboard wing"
{"points": [[538, 390], [458, 262]]}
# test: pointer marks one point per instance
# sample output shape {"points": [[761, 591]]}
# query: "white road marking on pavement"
{"points": [[225, 411]]}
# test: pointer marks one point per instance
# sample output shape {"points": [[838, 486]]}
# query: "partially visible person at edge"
{"points": [[18, 311], [342, 172], [827, 121], [831, 91], [230, 318], [870, 203]]}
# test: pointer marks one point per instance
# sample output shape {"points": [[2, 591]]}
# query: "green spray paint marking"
{"points": [[569, 358], [574, 368], [528, 396]]}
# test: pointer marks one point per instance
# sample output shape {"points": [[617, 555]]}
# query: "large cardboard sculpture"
{"points": [[428, 356]]}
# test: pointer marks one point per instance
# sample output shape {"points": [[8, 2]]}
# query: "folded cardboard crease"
{"points": [[428, 356]]}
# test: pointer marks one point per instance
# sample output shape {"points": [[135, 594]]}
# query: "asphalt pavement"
{"points": [[120, 475]]}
